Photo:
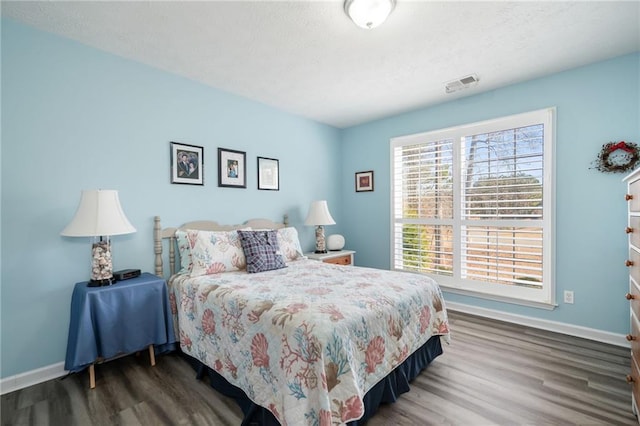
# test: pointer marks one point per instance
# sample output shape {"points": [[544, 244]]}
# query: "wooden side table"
{"points": [[117, 320], [338, 257]]}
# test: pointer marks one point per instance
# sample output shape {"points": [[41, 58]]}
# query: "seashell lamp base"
{"points": [[101, 264]]}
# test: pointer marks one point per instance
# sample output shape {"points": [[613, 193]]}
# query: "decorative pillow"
{"points": [[261, 250], [289, 243], [215, 252], [185, 241]]}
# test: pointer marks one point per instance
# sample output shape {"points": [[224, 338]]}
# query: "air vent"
{"points": [[461, 83]]}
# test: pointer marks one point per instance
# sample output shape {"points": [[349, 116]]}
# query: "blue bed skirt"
{"points": [[386, 391]]}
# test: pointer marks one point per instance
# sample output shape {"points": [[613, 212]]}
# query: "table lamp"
{"points": [[100, 216], [319, 216]]}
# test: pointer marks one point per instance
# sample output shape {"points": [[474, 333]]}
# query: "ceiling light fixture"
{"points": [[368, 14]]}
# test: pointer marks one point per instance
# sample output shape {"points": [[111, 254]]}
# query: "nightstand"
{"points": [[339, 257], [120, 319]]}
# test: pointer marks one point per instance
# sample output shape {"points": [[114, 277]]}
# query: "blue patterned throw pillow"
{"points": [[261, 250]]}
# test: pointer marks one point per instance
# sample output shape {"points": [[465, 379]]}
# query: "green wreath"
{"points": [[620, 163]]}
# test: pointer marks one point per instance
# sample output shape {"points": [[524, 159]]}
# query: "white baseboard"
{"points": [[558, 327], [33, 377]]}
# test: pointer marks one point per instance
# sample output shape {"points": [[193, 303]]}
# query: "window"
{"points": [[473, 206]]}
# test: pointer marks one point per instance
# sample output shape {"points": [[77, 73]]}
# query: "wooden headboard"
{"points": [[160, 234]]}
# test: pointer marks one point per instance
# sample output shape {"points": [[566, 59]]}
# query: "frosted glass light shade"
{"points": [[368, 14], [99, 214]]}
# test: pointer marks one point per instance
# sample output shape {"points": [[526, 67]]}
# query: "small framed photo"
{"points": [[232, 168], [268, 174], [187, 164], [364, 181]]}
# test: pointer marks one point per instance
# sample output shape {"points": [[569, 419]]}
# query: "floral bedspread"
{"points": [[308, 341]]}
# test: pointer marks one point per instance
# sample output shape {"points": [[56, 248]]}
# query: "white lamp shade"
{"points": [[99, 214], [368, 13], [319, 214]]}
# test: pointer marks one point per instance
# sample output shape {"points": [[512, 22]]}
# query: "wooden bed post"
{"points": [[157, 245]]}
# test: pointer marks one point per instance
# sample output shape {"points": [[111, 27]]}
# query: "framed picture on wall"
{"points": [[364, 181], [268, 174], [232, 170], [187, 164]]}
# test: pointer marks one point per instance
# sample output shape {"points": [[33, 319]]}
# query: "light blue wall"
{"points": [[595, 104], [76, 118]]}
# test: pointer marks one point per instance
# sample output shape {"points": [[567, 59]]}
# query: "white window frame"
{"points": [[541, 298]]}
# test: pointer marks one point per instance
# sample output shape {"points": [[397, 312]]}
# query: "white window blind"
{"points": [[472, 206]]}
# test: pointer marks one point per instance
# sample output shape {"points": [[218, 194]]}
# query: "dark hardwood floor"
{"points": [[492, 373]]}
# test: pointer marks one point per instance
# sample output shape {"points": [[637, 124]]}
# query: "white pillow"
{"points": [[289, 243], [185, 241], [215, 252]]}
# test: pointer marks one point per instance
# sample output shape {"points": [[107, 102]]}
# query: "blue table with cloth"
{"points": [[122, 318]]}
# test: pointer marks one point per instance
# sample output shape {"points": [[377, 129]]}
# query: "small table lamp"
{"points": [[99, 215], [318, 216]]}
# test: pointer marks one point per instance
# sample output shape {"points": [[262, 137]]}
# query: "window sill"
{"points": [[496, 298]]}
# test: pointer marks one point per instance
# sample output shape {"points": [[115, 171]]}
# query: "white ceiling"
{"points": [[308, 58]]}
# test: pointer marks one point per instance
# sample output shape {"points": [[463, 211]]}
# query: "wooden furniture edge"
{"points": [[92, 367]]}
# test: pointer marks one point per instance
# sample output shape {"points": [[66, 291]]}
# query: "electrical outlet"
{"points": [[568, 296]]}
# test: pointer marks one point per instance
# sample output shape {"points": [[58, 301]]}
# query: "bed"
{"points": [[295, 342]]}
